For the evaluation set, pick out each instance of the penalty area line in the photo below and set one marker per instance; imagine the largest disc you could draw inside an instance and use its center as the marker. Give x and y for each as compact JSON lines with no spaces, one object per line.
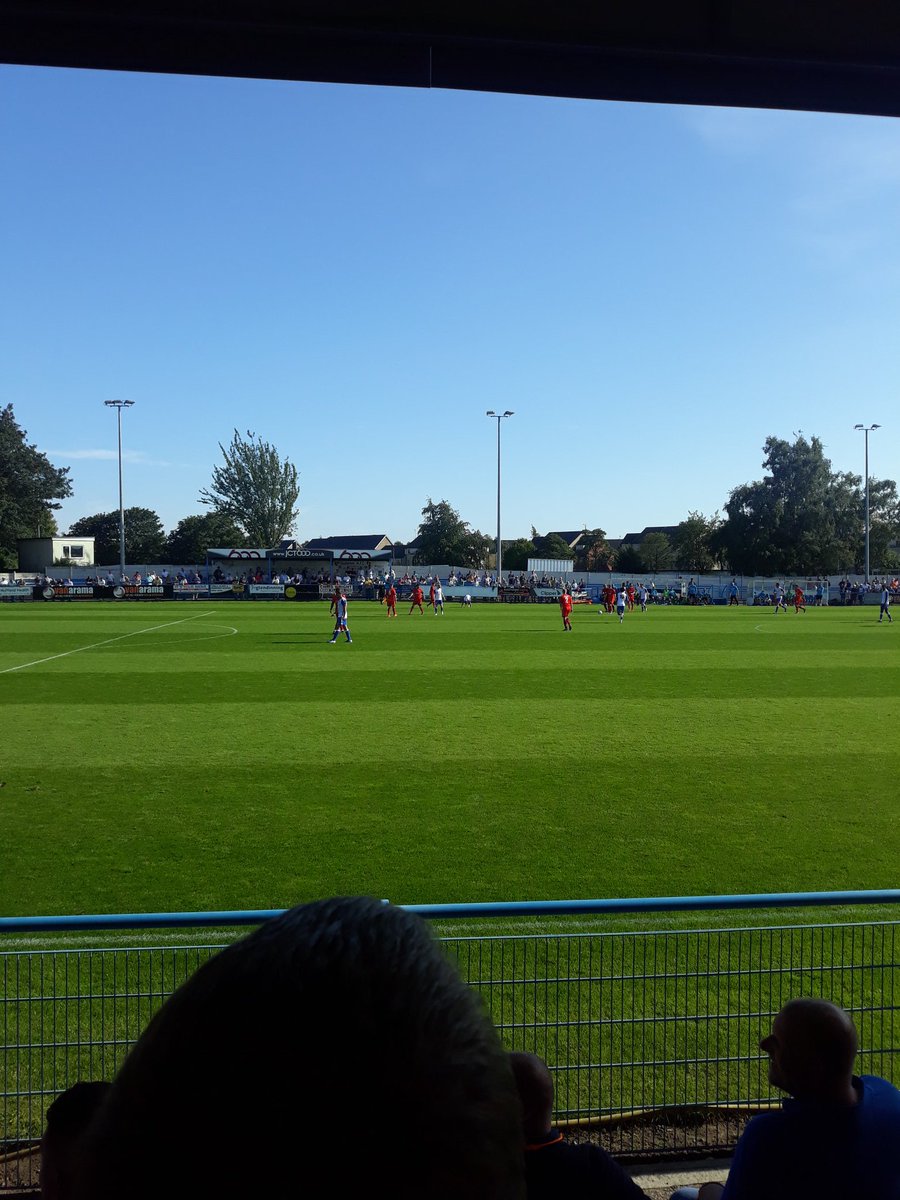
{"x":108,"y":641}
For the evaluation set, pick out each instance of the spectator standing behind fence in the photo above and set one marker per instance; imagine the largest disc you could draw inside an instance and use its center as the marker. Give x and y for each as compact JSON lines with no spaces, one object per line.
{"x":333,"y":1052}
{"x":837,"y":1138}
{"x":554,"y":1168}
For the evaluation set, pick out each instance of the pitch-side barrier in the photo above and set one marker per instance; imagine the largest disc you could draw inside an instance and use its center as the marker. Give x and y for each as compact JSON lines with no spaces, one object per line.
{"x":652,"y":1033}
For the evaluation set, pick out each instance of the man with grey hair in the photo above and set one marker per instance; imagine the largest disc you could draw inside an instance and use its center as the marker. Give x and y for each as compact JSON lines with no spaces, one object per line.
{"x":836,"y":1138}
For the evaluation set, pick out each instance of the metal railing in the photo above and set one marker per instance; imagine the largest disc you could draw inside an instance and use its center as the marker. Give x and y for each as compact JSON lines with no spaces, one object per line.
{"x":652,"y":1035}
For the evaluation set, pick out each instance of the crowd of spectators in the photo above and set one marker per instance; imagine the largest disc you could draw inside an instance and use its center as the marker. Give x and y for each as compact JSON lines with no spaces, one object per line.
{"x":350,"y":1005}
{"x":854,"y":593}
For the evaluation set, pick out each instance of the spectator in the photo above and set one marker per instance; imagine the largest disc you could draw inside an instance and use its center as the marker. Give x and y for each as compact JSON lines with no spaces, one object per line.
{"x":838,"y":1138}
{"x":554,"y":1167}
{"x":340,"y":1034}
{"x":67,"y":1120}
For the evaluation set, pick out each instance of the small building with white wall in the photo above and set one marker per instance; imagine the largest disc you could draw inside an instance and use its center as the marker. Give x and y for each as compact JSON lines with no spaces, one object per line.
{"x":39,"y":554}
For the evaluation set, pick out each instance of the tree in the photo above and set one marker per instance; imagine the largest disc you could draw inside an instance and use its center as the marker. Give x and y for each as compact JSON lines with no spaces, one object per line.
{"x":144,"y":536}
{"x":256,"y":489}
{"x":694,"y":550}
{"x":629,"y":559}
{"x":592,"y":552}
{"x":884,"y":526}
{"x":444,"y":537}
{"x":30,"y":487}
{"x":477,"y":548}
{"x":802,"y":518}
{"x":192,"y":536}
{"x":517,"y":553}
{"x":656,"y":551}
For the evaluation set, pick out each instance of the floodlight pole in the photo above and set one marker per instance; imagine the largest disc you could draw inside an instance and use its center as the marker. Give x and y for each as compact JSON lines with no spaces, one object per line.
{"x":866,"y":430}
{"x":498,"y":417}
{"x":118,"y":405}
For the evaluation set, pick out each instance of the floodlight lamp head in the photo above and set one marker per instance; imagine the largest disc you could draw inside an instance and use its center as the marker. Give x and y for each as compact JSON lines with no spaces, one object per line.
{"x":509,"y":413}
{"x":859,"y":426}
{"x":874,"y":426}
{"x":490,"y":413}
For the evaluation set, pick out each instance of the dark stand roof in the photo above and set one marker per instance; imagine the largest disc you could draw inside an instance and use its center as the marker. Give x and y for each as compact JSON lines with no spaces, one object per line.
{"x":833,"y":55}
{"x":364,"y":541}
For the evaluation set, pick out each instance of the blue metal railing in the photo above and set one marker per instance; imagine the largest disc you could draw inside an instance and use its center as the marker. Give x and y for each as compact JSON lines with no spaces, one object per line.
{"x":501,"y":908}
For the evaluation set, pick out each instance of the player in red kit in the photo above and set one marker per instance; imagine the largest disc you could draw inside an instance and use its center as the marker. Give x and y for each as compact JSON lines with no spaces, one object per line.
{"x":417,"y":597}
{"x":565,"y":607}
{"x":799,"y":600}
{"x":390,"y":599}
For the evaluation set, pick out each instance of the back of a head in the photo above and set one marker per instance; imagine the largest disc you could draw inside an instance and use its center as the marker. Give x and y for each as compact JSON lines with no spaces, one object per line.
{"x":68,"y":1118}
{"x":339,"y":1038}
{"x":534,"y":1083}
{"x":821,"y":1044}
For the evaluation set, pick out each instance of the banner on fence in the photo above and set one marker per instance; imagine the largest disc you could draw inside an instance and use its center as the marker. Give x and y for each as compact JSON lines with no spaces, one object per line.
{"x":94,"y":591}
{"x":12,"y":591}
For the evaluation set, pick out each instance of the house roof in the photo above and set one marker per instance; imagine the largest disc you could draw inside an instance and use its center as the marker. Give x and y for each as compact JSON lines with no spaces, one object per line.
{"x":634,"y":539}
{"x":353,"y":541}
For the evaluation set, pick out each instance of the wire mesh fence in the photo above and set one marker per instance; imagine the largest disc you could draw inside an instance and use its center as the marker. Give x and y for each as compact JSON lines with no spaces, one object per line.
{"x":658,"y":1033}
{"x":653,"y":1036}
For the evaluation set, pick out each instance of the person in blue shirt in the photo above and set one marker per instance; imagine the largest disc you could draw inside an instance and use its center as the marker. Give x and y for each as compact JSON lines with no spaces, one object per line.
{"x":836,"y":1138}
{"x":885,"y":604}
{"x":340,"y":616}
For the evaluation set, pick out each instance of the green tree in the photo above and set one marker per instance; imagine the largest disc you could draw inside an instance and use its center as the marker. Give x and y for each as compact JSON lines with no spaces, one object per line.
{"x":628,"y":559}
{"x":144,"y":536}
{"x":884,"y":526}
{"x":694,"y":546}
{"x":444,"y":537}
{"x":477,"y":548}
{"x":656,"y":551}
{"x":802,"y":518}
{"x":30,"y":487}
{"x":517,"y":553}
{"x":256,"y":488}
{"x":592,"y":552}
{"x":192,"y":536}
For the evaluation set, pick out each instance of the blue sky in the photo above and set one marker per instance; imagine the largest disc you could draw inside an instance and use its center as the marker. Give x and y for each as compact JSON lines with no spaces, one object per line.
{"x":357,"y":274}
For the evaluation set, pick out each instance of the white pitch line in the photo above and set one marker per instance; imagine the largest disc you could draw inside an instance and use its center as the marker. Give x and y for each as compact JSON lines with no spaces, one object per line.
{"x":65,"y":654}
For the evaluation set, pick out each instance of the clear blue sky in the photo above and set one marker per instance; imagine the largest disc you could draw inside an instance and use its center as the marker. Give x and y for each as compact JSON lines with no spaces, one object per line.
{"x":357,"y":274}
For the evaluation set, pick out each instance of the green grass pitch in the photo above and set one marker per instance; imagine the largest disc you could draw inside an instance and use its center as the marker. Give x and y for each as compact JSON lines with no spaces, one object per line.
{"x":194,"y":755}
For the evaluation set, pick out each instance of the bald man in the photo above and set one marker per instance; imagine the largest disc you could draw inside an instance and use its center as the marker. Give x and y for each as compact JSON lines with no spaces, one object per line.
{"x":554,"y":1168}
{"x":836,"y":1138}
